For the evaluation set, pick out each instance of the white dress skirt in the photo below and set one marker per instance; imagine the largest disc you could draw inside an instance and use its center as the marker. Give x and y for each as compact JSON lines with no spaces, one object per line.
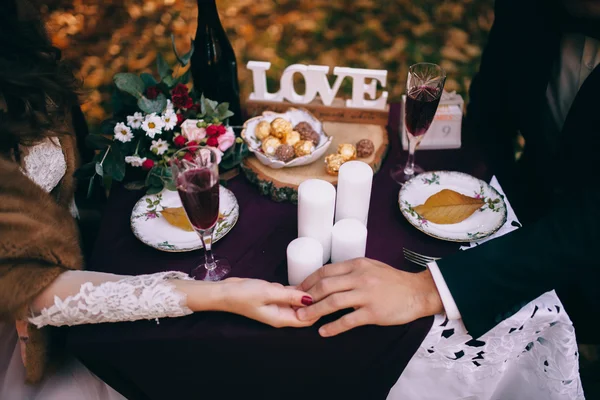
{"x":72,"y":382}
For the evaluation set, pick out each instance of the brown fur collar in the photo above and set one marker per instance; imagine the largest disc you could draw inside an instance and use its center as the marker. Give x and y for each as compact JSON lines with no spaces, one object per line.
{"x":38,"y":241}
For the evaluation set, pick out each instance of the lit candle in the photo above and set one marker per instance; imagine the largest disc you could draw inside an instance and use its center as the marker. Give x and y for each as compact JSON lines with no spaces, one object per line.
{"x":316,"y":205}
{"x":354,"y":191}
{"x":304,"y":256}
{"x":348,"y":240}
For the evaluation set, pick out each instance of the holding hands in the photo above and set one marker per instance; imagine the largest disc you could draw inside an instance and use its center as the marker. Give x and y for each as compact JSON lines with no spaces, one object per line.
{"x":378,"y":293}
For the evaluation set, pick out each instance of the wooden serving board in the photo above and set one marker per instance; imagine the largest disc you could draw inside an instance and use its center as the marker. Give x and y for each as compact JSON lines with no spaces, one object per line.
{"x":282,"y":184}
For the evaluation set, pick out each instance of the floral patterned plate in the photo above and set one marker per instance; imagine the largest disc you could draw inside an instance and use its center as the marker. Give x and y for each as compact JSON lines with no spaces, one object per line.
{"x":483,"y":223}
{"x":152,"y":229}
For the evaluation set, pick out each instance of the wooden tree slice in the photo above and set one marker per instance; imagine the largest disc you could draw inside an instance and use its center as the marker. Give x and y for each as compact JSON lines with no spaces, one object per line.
{"x":282,"y":184}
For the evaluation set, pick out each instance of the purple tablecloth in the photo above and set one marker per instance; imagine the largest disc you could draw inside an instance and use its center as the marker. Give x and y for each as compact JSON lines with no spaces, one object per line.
{"x":224,"y":356}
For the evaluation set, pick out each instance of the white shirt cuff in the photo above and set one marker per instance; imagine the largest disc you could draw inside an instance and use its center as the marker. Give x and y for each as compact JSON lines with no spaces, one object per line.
{"x":447,"y":299}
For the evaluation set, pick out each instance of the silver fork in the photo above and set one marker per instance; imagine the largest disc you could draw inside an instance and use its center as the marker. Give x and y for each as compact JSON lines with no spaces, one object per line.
{"x":417,"y":258}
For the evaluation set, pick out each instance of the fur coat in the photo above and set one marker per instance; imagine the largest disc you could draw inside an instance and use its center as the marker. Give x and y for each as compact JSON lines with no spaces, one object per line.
{"x":39,"y":240}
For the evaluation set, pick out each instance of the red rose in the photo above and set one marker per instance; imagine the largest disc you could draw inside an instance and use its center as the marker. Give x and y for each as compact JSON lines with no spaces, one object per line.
{"x":182,"y":101}
{"x":193,"y":145}
{"x":179,"y":141}
{"x":195,"y":108}
{"x":189,"y":157}
{"x":212,"y":141}
{"x":221,"y":129}
{"x":148,"y":164}
{"x":212,"y":130}
{"x":180,"y":90}
{"x":152,"y":92}
{"x":180,"y":119}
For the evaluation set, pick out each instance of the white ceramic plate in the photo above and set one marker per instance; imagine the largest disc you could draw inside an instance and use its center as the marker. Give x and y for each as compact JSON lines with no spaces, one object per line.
{"x":483,"y":223}
{"x":295,"y":116}
{"x":152,"y":229}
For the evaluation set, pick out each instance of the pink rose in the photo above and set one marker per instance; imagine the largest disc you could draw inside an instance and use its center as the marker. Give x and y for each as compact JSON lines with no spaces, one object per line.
{"x":217,"y":152}
{"x":226,"y":140}
{"x":190,"y":130}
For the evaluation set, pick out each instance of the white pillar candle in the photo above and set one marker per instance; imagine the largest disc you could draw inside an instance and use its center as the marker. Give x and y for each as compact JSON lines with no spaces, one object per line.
{"x":354,"y":191}
{"x":316,"y":205}
{"x":348,"y":240}
{"x":304,"y":256}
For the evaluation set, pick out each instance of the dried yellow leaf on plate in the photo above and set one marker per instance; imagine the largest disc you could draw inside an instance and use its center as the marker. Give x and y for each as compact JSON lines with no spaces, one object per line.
{"x":448,"y":207}
{"x":177,"y":218}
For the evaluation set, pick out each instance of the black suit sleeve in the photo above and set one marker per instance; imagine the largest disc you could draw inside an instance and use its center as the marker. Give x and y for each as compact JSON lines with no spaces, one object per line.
{"x":493,"y":281}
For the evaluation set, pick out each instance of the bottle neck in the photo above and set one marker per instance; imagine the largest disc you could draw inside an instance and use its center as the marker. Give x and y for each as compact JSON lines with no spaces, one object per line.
{"x":207,"y":13}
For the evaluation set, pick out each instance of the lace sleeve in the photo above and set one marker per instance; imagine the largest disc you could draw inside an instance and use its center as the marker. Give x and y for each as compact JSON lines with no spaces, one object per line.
{"x":127,"y":299}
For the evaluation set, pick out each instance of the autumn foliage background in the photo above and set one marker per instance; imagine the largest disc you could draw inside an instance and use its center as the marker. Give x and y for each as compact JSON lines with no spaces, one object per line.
{"x":103,"y":37}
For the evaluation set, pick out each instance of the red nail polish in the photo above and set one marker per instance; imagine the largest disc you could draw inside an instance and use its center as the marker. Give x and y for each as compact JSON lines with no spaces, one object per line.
{"x":307,"y":300}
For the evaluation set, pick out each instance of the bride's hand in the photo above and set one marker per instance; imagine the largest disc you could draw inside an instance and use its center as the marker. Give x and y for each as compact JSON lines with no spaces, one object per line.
{"x":270,"y":303}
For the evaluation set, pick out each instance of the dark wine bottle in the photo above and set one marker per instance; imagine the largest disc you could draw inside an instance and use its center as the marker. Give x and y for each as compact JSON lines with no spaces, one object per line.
{"x":213,"y":64}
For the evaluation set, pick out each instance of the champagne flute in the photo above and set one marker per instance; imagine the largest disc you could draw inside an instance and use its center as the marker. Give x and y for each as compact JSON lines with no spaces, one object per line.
{"x":424,"y":89}
{"x":196,"y":175}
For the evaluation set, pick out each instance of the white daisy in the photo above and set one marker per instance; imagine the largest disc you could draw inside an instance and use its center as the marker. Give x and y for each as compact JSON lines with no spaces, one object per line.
{"x":135,"y":161}
{"x":122,"y":133}
{"x":135,"y":120}
{"x":152,"y":125}
{"x":169,"y":106}
{"x":159,"y":146}
{"x":170,"y":120}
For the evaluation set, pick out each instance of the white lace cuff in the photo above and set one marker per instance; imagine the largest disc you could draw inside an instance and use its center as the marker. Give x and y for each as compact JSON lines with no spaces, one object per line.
{"x":129,"y":299}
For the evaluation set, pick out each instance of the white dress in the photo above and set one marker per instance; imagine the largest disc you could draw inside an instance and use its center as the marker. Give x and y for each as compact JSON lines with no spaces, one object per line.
{"x":95,"y":301}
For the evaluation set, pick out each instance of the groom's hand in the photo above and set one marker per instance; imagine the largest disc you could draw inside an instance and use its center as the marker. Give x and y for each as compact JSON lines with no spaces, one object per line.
{"x":379,"y":294}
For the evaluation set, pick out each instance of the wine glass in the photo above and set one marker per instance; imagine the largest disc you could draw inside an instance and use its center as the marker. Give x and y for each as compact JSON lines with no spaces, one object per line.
{"x":424,"y":89}
{"x":196,"y":175}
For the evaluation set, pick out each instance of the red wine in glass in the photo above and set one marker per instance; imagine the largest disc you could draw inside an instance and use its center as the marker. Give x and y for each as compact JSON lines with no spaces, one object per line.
{"x":421,"y":105}
{"x":424,"y":89}
{"x":197,"y":182}
{"x":199,"y":193}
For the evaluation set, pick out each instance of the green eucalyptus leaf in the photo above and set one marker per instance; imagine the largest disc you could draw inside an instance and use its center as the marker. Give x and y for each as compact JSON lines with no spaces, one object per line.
{"x":130,"y":83}
{"x":157,"y":105}
{"x":163,"y":67}
{"x":86,"y":171}
{"x":154,"y":189}
{"x":148,"y":79}
{"x":90,"y":187}
{"x":169,"y":81}
{"x":184,"y":59}
{"x":202,"y":104}
{"x":185,"y":78}
{"x":99,"y":169}
{"x":226,"y":115}
{"x":114,"y":164}
{"x":222,"y":108}
{"x":97,"y":142}
{"x":170,"y":185}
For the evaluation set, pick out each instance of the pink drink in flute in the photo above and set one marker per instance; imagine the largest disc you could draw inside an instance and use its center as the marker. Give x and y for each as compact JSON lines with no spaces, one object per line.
{"x":197,"y":180}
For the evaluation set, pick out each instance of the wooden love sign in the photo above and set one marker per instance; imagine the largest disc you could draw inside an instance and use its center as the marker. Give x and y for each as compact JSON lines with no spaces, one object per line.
{"x":319,"y":97}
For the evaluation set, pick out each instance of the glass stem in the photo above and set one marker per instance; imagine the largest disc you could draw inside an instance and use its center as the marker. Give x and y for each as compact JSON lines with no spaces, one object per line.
{"x":409,"y":169}
{"x":208,"y":255}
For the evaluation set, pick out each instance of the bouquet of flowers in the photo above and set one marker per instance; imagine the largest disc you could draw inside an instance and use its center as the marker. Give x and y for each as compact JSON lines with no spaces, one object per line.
{"x":154,"y":119}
